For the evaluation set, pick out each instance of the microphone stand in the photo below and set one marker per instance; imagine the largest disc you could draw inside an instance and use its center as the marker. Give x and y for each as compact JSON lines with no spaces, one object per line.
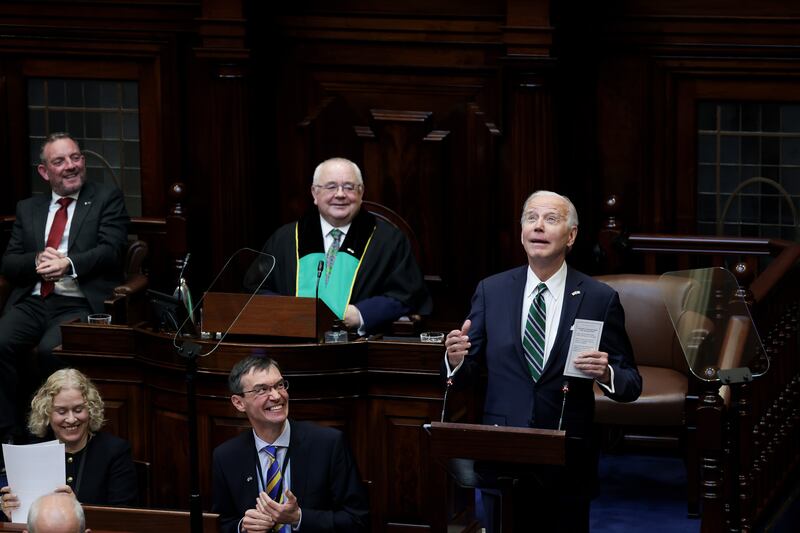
{"x":564,"y":391}
{"x":190,"y":350}
{"x":320,"y":267}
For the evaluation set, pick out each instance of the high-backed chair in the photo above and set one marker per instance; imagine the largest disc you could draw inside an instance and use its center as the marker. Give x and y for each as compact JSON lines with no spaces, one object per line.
{"x":660,"y":414}
{"x":657,"y":353}
{"x":128,"y":303}
{"x":411,"y":324}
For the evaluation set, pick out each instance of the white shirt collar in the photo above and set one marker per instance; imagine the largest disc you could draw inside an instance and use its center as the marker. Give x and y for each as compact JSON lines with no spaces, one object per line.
{"x":327,"y":227}
{"x":555,"y":285}
{"x":56,"y":197}
{"x":282,"y":441}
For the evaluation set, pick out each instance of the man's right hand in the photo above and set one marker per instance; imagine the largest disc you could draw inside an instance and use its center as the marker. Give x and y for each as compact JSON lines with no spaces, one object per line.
{"x":256,"y":521}
{"x":457,"y":344}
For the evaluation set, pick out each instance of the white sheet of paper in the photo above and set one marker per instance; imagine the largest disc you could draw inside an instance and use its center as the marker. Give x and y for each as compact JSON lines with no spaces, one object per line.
{"x":585,"y":337}
{"x":33,"y":470}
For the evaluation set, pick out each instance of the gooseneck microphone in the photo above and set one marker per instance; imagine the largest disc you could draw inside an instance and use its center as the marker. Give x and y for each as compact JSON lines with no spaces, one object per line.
{"x":564,"y":391}
{"x":320,"y":268}
{"x":444,"y":400}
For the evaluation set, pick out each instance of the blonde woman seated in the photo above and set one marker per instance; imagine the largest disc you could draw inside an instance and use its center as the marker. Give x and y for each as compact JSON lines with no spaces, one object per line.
{"x":99,"y":466}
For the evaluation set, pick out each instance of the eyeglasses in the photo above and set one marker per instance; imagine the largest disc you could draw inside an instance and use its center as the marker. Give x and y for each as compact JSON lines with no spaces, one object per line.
{"x":551,"y":219}
{"x":332,"y":187}
{"x":261,"y":390}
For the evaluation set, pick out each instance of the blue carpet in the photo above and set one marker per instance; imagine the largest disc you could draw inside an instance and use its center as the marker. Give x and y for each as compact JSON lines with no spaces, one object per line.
{"x":638,"y":492}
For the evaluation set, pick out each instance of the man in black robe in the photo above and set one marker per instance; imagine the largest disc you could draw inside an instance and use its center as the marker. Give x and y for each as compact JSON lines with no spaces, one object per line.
{"x":362,"y":267}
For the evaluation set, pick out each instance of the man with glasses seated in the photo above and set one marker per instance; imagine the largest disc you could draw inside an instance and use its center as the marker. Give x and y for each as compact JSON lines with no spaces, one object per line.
{"x":369,"y":276}
{"x":284,"y":475}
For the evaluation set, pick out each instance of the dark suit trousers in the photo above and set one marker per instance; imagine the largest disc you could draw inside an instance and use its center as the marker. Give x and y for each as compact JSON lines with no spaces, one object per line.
{"x":32,"y":322}
{"x":538,"y":509}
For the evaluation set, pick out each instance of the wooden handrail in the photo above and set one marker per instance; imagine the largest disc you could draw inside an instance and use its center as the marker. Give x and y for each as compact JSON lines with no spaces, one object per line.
{"x":702,"y":244}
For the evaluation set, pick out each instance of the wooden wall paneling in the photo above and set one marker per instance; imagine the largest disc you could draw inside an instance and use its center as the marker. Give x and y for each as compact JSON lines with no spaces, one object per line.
{"x":623,"y":152}
{"x":221,"y":205}
{"x":171,"y":455}
{"x":398,"y":450}
{"x":120,"y":384}
{"x":324,"y":131}
{"x":14,"y":146}
{"x":530,"y":156}
{"x":472,"y":239}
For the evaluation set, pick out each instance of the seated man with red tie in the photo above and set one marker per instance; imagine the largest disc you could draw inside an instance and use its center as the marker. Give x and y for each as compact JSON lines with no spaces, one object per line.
{"x":362,"y":267}
{"x":283,"y":475}
{"x":63,"y":259}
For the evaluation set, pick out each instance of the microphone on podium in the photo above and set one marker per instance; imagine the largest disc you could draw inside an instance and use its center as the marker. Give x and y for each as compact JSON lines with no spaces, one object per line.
{"x":444,"y":400}
{"x":564,"y":391}
{"x":320,"y":268}
{"x":182,"y":292}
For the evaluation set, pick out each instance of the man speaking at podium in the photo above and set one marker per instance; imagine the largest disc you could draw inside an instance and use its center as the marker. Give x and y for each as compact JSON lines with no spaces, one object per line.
{"x":363,"y":268}
{"x":520,"y":328}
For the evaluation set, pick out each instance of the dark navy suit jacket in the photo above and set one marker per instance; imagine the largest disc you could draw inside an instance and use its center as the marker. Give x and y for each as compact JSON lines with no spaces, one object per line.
{"x":324,"y":478}
{"x":512,"y":399}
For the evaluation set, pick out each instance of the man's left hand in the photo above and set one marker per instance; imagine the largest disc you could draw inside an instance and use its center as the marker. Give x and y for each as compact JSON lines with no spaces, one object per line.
{"x":287,"y":512}
{"x":53,"y":265}
{"x":594,"y":364}
{"x":352,"y":318}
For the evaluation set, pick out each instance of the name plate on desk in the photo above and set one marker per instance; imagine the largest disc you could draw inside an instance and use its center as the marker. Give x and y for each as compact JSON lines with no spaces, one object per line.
{"x":277,"y":316}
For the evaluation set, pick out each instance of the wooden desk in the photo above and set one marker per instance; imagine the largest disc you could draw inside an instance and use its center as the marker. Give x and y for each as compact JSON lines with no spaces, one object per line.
{"x":133,"y":520}
{"x":378,"y":393}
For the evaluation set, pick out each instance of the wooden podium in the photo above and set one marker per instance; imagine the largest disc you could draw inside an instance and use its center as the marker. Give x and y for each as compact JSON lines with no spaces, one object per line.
{"x":497,"y":444}
{"x":275,"y":316}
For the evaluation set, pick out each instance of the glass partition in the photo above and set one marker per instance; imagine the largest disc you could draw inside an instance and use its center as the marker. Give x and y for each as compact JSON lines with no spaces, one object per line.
{"x":233,"y":288}
{"x":713,"y":324}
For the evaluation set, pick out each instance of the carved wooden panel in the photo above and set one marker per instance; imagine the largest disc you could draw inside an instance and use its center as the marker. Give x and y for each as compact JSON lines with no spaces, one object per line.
{"x":171,"y":454}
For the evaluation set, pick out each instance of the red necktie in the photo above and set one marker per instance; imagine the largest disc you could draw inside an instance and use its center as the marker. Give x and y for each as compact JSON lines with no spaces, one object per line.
{"x":54,"y":238}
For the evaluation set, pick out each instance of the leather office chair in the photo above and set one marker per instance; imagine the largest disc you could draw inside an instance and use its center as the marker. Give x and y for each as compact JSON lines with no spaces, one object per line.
{"x":660,"y":413}
{"x":128,"y":303}
{"x":657,"y":353}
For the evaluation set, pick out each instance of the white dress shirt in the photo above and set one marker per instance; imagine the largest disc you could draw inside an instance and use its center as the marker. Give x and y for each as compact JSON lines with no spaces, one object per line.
{"x":68,"y":285}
